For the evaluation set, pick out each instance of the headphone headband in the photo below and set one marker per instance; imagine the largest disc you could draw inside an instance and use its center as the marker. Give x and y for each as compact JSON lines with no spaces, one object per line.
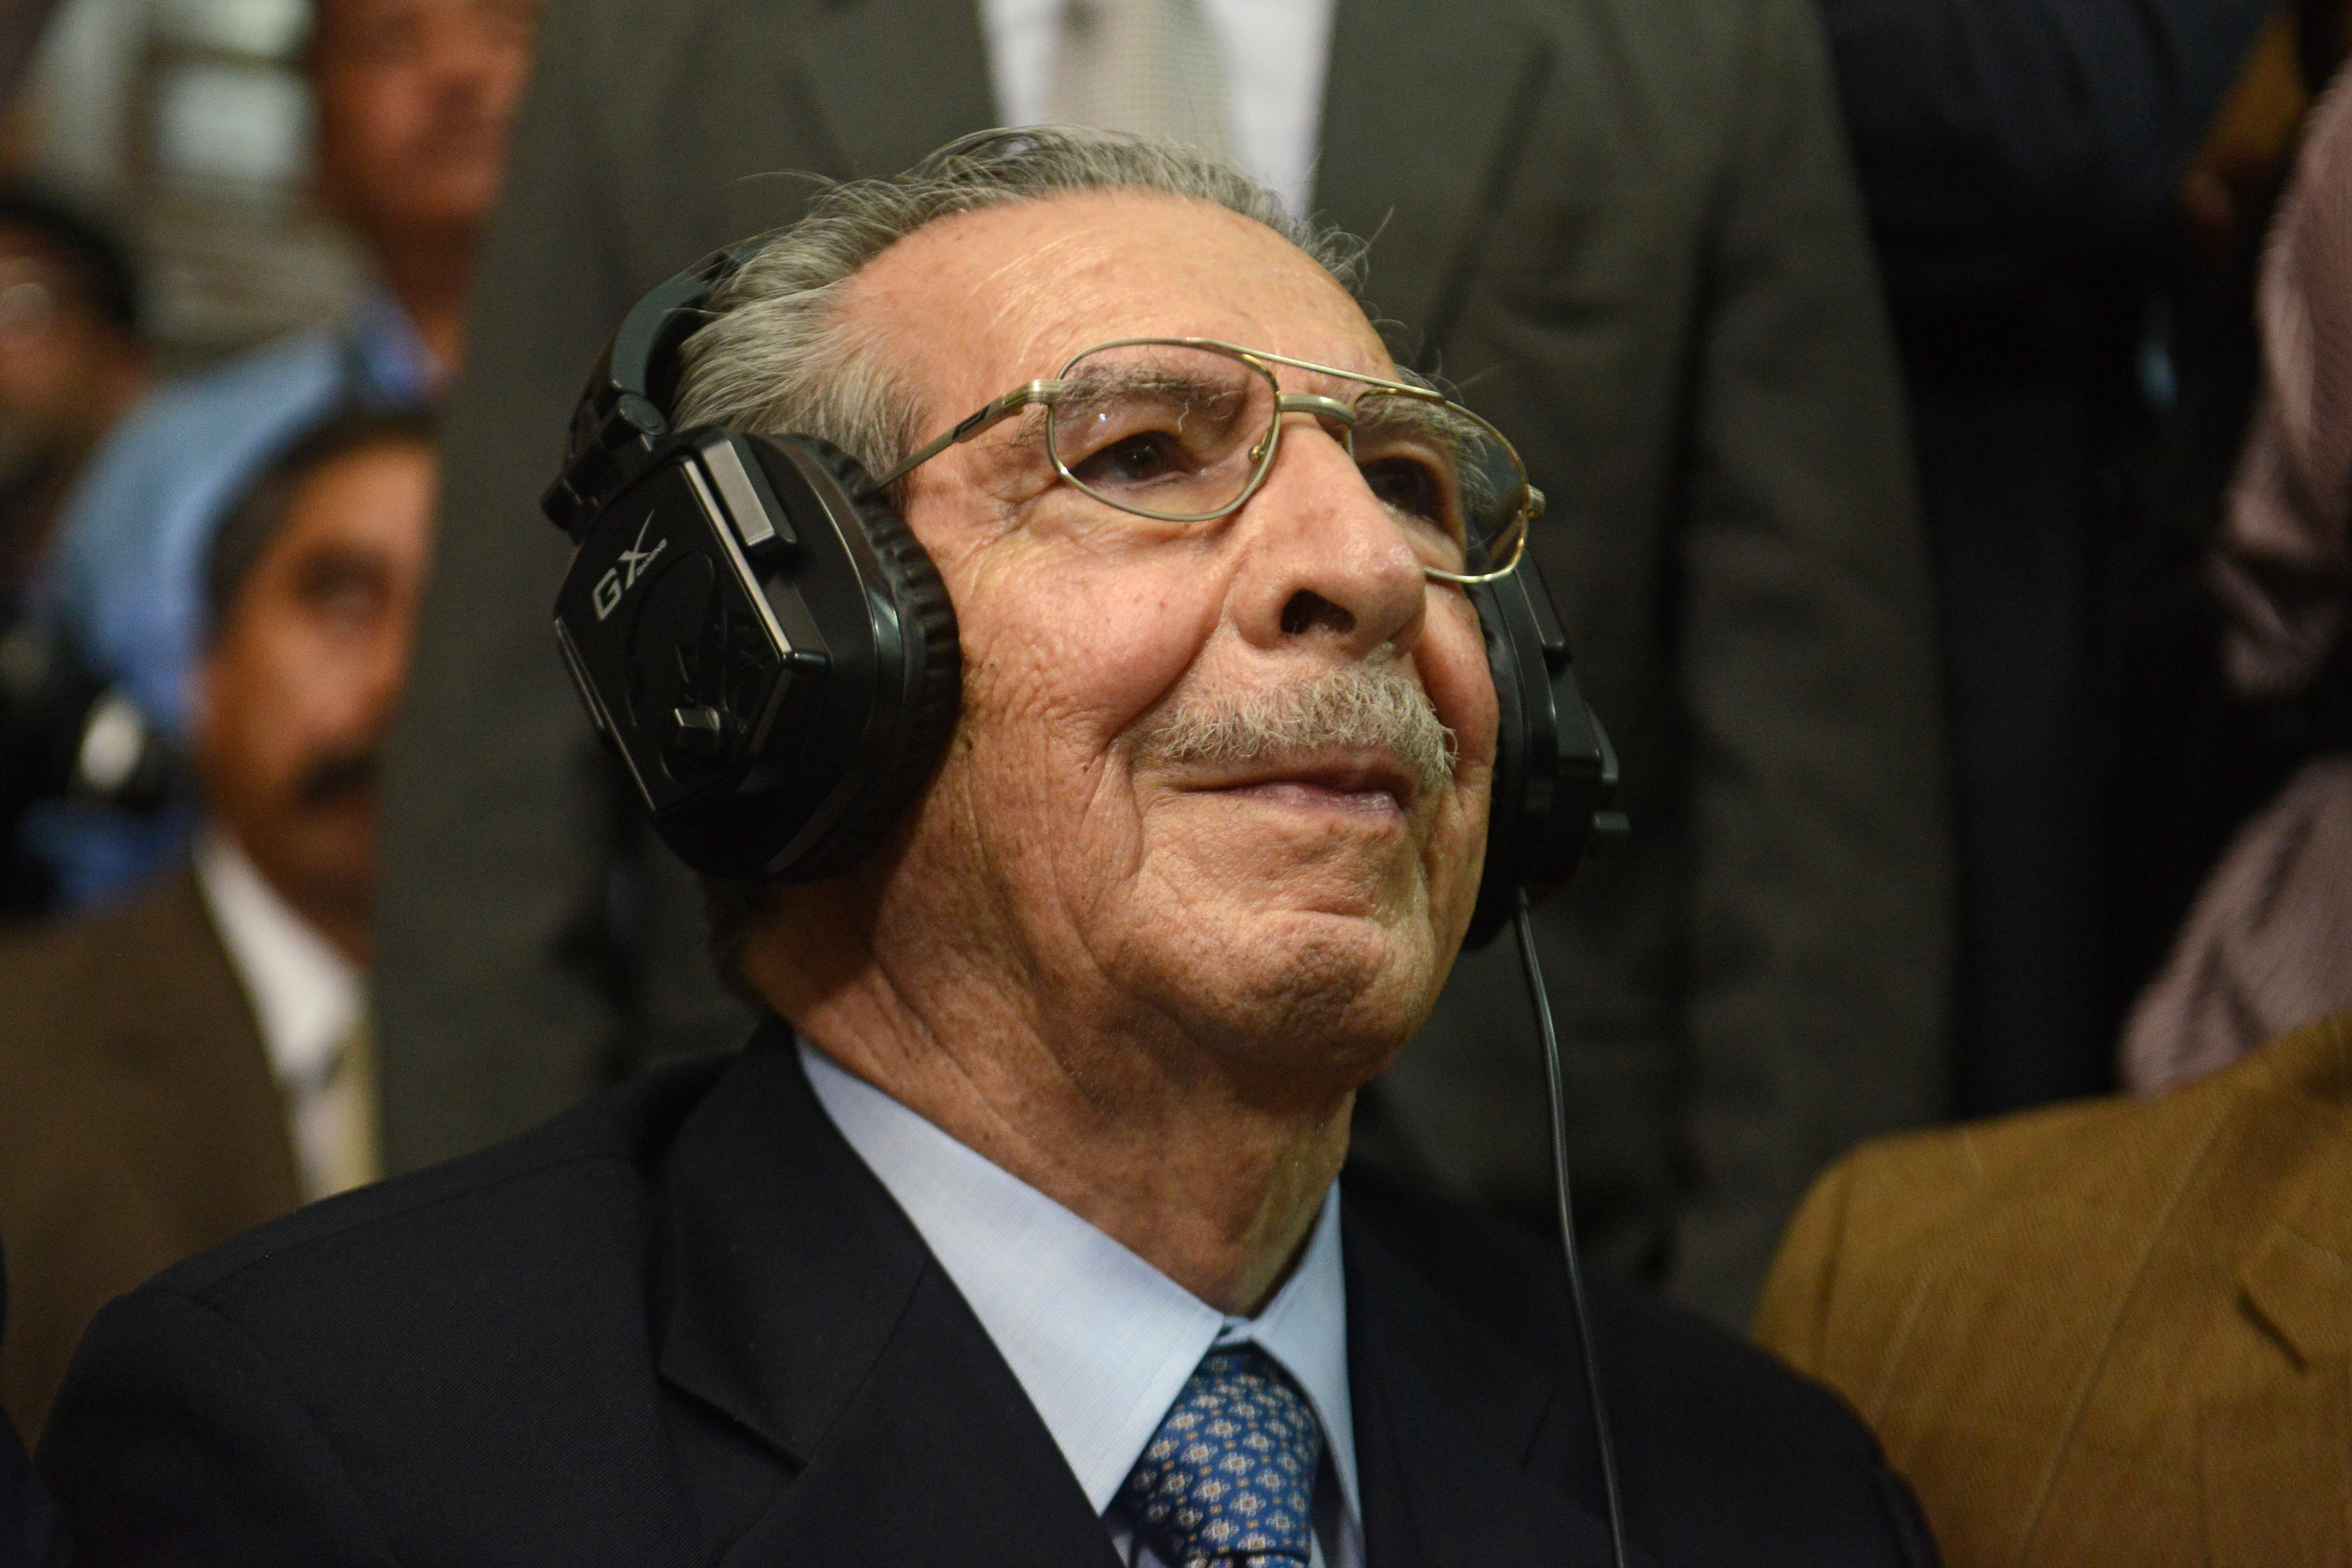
{"x":620,"y":427}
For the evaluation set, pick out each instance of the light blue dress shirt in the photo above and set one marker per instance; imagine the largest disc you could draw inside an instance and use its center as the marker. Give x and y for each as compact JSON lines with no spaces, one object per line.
{"x":1100,"y":1341}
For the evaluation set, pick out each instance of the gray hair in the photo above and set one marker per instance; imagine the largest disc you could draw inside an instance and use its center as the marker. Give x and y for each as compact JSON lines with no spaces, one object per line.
{"x":776,"y":358}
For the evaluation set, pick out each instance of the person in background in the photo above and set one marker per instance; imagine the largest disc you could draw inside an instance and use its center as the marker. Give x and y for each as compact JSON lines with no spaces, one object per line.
{"x":2020,"y":160}
{"x":415,"y":98}
{"x":72,"y":362}
{"x":2267,"y":948}
{"x":2116,"y":1332}
{"x":2199,"y":758}
{"x":178,"y":1069}
{"x":2121,"y":1332}
{"x":1627,"y":229}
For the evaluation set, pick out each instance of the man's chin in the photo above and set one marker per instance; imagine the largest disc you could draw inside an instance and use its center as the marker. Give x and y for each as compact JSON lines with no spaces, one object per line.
{"x":1280,"y":864}
{"x":1333,"y":994}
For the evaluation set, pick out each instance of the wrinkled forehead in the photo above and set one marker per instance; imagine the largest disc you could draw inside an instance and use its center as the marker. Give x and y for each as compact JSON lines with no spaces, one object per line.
{"x":973,"y":305}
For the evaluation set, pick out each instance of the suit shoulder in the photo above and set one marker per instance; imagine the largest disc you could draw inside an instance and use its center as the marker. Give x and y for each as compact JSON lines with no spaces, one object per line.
{"x":69,"y":982}
{"x":1735,"y":1456}
{"x":1895,"y":1192}
{"x":1516,"y":1284}
{"x":514,"y":1194}
{"x":34,"y":959}
{"x":1513,"y":1282}
{"x":76,"y":942}
{"x":1965,"y":1205}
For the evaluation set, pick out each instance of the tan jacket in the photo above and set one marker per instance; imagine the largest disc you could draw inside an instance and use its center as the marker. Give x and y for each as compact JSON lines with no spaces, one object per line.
{"x":139,"y":1122}
{"x":2114,"y":1332}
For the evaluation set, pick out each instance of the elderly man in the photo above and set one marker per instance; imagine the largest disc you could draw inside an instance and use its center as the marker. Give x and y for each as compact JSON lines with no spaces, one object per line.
{"x":1628,"y":230}
{"x":1035,"y":1225}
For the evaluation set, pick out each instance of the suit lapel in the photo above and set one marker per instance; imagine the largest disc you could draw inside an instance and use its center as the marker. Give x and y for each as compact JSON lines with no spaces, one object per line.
{"x":804,"y":1306}
{"x":894,"y":80}
{"x":1449,"y":1423}
{"x":1433,"y":101}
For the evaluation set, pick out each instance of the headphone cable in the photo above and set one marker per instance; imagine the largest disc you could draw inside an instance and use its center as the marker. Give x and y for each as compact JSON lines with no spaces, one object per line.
{"x":1533,"y":968}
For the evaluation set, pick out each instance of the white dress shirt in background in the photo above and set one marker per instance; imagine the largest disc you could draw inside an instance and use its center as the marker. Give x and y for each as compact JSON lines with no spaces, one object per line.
{"x":1101,"y":1341}
{"x":1276,"y":54}
{"x":309,"y":1003}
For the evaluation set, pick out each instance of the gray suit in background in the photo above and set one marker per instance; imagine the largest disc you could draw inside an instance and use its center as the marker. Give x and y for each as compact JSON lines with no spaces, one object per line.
{"x":1627,"y":231}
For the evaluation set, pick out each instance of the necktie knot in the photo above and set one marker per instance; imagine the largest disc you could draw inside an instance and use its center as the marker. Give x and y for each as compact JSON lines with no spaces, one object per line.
{"x":1228,"y":1482}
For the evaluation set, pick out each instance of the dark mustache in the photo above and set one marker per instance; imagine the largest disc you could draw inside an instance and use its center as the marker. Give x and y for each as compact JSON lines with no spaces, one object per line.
{"x":338,"y":776}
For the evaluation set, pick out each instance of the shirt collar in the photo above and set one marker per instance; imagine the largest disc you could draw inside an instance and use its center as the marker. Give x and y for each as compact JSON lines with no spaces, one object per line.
{"x":305,"y":995}
{"x":1100,"y":1341}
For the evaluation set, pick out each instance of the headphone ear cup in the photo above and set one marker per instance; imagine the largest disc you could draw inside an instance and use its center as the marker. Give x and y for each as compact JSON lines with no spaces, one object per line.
{"x":926,"y":678}
{"x":1517,"y":733}
{"x":1555,"y":773}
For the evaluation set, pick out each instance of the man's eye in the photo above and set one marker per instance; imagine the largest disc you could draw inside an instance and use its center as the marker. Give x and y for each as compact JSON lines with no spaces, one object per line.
{"x":1135,"y":459}
{"x":1412,"y":490}
{"x":342,"y":594}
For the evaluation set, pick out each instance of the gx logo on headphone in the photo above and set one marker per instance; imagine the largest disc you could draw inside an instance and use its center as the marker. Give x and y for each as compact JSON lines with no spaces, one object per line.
{"x":611,"y":585}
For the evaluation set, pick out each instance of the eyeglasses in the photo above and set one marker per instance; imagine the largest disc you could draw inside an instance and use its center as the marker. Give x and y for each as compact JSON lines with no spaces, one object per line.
{"x":1185,"y":430}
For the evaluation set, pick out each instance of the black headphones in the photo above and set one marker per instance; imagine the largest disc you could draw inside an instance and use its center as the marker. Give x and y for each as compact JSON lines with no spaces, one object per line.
{"x":757,"y":633}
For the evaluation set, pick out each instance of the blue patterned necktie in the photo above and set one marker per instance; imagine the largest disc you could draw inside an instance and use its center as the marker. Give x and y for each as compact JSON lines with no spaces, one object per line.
{"x":1229,"y":1478}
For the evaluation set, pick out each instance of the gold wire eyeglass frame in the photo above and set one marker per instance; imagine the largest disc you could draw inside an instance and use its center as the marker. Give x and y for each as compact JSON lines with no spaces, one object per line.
{"x":1508,"y":546}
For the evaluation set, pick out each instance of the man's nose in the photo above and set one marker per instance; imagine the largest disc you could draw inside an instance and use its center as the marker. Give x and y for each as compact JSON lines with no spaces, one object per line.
{"x":1326,"y":563}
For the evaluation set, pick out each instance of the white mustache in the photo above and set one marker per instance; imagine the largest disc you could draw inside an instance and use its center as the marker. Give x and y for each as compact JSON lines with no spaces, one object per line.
{"x":1356,"y":707}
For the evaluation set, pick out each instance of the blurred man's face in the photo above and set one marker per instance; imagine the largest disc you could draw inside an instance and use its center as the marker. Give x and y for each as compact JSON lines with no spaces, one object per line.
{"x":415,"y":98}
{"x":65,"y":368}
{"x":300,"y":685}
{"x":1293,"y":912}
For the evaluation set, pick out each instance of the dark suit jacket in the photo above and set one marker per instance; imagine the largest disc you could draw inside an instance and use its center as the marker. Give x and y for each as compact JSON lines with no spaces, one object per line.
{"x":2008,"y":142}
{"x":686,"y":1324}
{"x":2019,"y":159}
{"x":139,"y":1122}
{"x":2114,"y":1332}
{"x":1626,"y":227}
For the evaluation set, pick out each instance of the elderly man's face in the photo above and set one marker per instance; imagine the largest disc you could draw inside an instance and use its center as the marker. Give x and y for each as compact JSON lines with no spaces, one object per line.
{"x":1296,"y":912}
